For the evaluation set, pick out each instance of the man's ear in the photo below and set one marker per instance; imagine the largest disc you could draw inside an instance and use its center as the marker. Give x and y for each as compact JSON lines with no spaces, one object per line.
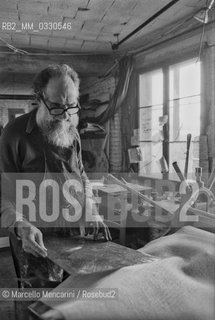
{"x":34,"y":104}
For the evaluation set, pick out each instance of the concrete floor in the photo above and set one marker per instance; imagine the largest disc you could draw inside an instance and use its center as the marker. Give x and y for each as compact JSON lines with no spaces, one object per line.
{"x":7,"y":271}
{"x":7,"y":280}
{"x":10,"y":310}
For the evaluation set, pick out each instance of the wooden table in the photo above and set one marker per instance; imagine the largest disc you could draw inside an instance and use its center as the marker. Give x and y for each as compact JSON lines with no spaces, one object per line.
{"x":113,"y":196}
{"x":85,"y":261}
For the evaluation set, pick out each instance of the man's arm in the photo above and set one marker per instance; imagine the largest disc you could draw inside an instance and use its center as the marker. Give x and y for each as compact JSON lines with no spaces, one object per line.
{"x":10,"y":167}
{"x":93,"y":220}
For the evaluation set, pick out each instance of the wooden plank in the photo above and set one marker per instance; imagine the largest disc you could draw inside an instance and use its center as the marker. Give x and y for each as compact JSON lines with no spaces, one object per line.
{"x":168,"y":206}
{"x":88,"y":45}
{"x":34,"y":7}
{"x":91,"y":36}
{"x":112,"y":189}
{"x":20,"y":39}
{"x":166,"y":112}
{"x":39,"y":41}
{"x":74,"y":44}
{"x":92,"y":26}
{"x":100,"y":6}
{"x":16,"y":97}
{"x":56,"y":42}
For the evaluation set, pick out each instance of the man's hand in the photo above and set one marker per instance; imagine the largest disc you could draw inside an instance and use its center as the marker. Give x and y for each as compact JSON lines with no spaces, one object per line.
{"x":94,"y":223}
{"x":32,"y":238}
{"x":96,"y":227}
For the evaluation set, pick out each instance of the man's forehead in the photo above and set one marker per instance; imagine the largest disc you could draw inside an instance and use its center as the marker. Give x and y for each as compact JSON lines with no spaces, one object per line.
{"x":59,"y":86}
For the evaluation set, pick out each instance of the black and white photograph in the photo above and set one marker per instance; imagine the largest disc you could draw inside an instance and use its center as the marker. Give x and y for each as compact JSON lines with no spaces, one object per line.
{"x":107,"y":159}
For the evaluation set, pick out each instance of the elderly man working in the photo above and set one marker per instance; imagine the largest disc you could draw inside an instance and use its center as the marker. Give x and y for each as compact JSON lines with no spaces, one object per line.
{"x":46,"y":142}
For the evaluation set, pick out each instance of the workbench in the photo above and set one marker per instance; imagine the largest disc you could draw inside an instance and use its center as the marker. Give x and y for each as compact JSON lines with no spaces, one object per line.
{"x":116,"y":198}
{"x":173,"y":275}
{"x":85,"y":261}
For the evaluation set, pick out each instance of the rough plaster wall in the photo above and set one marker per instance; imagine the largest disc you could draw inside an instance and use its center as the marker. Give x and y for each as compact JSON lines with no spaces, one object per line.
{"x":7,"y":104}
{"x":14,"y":84}
{"x":104,"y":90}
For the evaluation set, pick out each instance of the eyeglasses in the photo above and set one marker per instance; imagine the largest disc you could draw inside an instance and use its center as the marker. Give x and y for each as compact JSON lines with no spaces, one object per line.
{"x":57,"y":109}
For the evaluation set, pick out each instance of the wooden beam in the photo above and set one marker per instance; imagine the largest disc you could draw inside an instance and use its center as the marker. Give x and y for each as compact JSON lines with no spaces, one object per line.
{"x":16,"y":97}
{"x":166,"y":112}
{"x":83,"y":64}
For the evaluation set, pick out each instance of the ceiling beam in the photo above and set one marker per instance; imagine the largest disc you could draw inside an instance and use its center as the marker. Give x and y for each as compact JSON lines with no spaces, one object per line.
{"x":32,"y":64}
{"x":152,"y":18}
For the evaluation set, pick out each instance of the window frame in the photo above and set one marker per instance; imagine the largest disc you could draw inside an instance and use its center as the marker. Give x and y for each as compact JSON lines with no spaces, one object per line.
{"x":165,"y":67}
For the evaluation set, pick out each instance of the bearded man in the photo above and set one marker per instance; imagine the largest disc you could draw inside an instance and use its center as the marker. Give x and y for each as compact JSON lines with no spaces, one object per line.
{"x":46,"y":142}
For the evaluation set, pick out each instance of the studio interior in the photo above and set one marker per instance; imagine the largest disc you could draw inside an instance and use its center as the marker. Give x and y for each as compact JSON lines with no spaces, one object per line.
{"x":107,"y":159}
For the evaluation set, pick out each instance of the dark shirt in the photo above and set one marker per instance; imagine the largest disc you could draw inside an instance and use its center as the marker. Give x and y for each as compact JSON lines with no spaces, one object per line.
{"x":22,"y":147}
{"x":24,"y":150}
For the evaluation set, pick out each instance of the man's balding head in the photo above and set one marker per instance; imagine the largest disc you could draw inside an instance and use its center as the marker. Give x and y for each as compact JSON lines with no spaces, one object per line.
{"x":54,"y":71}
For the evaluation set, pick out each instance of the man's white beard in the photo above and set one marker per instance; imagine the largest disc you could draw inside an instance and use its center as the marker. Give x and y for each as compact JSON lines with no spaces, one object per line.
{"x":60,"y":133}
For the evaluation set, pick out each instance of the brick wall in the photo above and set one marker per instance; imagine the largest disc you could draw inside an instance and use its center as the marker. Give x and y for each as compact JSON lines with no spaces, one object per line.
{"x":97,"y":88}
{"x":115,"y":143}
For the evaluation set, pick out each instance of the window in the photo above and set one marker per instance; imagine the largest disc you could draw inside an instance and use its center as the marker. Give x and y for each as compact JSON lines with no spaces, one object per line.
{"x":180,"y":107}
{"x":150,"y":109}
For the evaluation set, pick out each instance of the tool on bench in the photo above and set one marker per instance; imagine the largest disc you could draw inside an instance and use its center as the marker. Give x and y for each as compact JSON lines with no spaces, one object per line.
{"x":143,"y":197}
{"x":180,"y":174}
{"x":187,"y":154}
{"x":211,"y":180}
{"x":195,"y":211}
{"x":194,"y":196}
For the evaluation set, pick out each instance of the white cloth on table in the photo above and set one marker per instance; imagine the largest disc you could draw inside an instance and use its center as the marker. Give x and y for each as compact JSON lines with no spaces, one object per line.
{"x":179,"y":285}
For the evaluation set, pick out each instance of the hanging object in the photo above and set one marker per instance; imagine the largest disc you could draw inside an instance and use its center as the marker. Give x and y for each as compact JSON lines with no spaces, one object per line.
{"x":14,"y":49}
{"x":163,"y":165}
{"x":202,"y":15}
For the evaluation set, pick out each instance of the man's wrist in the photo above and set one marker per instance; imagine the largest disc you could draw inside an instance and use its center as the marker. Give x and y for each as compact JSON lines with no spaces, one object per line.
{"x":17,"y":227}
